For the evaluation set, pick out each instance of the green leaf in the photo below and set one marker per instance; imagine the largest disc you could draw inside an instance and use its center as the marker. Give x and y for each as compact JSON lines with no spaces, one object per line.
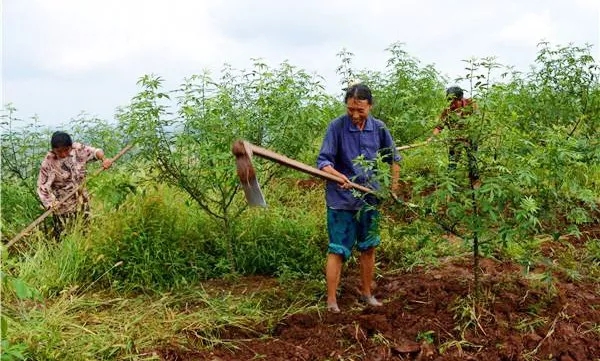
{"x":3,"y":327}
{"x":22,"y":290}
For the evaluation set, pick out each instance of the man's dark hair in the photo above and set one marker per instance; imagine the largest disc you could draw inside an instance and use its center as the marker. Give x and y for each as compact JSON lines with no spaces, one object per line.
{"x":360,"y":92}
{"x":60,"y":140}
{"x":454,"y":92}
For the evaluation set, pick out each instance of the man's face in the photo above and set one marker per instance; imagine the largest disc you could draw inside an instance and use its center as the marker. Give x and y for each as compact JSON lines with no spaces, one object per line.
{"x":358,"y":110}
{"x":455,"y":102}
{"x":62,"y":152}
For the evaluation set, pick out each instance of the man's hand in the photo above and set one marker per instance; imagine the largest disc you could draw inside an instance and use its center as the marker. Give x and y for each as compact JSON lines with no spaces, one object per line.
{"x":436,"y":131}
{"x":329,"y":169}
{"x":53,"y":205}
{"x":106,"y":163}
{"x":346,"y":184}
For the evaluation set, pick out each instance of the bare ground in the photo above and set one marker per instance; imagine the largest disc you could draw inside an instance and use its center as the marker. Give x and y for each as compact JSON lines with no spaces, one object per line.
{"x":430,"y":315}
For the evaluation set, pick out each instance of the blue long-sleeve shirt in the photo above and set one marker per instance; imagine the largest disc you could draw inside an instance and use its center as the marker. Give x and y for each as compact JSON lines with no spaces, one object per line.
{"x":343,"y":143}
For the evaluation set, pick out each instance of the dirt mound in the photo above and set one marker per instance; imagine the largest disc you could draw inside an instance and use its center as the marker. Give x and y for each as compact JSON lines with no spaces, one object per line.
{"x":429,"y":315}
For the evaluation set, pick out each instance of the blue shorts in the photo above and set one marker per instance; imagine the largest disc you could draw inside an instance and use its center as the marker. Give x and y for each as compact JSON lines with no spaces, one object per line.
{"x":349,"y":228}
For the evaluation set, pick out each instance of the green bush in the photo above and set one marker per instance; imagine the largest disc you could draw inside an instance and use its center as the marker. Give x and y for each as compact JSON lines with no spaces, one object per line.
{"x":290,"y":237}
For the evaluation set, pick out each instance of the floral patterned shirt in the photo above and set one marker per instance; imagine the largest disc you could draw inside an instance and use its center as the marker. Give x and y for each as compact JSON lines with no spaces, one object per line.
{"x":59,"y":177}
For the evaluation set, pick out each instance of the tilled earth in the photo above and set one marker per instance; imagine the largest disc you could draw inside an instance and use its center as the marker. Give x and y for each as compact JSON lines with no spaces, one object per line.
{"x":429,"y":315}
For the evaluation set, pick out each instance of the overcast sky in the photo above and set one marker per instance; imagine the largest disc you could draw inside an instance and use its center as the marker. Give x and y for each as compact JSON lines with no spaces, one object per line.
{"x":62,"y":57}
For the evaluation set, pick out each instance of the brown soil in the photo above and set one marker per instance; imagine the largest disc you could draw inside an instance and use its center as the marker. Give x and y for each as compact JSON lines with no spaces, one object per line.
{"x":427,"y":315}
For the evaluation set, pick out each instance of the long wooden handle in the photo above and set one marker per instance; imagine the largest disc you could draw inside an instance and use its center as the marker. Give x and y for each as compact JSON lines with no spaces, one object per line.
{"x":412,"y":145}
{"x":49,"y":210}
{"x":116,"y":157}
{"x":283,"y":160}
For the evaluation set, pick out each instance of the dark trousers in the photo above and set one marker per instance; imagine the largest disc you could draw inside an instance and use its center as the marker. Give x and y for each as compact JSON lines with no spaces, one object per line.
{"x":60,"y":223}
{"x":455,"y":151}
{"x":63,"y":221}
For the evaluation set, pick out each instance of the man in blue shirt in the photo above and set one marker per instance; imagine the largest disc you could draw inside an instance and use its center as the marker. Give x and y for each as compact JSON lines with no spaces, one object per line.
{"x":354,"y":220}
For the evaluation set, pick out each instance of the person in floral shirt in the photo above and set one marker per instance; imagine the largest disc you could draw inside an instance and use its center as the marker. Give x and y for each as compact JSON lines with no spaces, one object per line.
{"x":62,"y":171}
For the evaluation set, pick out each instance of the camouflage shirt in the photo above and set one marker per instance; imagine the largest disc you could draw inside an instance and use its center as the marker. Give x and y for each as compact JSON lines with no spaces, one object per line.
{"x":452,"y":117}
{"x":59,"y":177}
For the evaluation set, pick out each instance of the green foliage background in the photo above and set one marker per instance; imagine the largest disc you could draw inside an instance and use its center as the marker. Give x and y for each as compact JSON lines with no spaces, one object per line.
{"x":170,"y":214}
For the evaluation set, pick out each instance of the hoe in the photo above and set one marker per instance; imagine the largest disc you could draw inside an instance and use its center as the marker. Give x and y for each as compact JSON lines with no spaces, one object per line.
{"x":244,"y":151}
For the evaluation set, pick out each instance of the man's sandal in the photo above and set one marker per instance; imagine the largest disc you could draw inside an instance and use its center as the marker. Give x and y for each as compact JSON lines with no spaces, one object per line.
{"x":370,"y":300}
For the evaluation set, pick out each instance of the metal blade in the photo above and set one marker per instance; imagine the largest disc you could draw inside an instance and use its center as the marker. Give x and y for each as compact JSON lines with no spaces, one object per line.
{"x":253,"y":193}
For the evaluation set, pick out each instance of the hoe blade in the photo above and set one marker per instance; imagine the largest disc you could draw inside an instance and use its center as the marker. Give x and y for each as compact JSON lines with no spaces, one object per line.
{"x":253,"y":193}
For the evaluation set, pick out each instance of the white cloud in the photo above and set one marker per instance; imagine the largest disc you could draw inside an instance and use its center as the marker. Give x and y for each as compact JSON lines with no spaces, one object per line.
{"x":62,"y":56}
{"x":73,"y":36}
{"x":588,"y":4}
{"x":529,"y":29}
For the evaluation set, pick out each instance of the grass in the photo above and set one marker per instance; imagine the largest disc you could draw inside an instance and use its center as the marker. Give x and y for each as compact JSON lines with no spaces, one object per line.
{"x":137,"y":284}
{"x":106,"y":326}
{"x":88,"y":323}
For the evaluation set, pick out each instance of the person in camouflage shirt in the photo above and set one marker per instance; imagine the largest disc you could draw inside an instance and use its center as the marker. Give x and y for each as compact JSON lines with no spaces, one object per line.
{"x":62,"y":171}
{"x":453,"y":118}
